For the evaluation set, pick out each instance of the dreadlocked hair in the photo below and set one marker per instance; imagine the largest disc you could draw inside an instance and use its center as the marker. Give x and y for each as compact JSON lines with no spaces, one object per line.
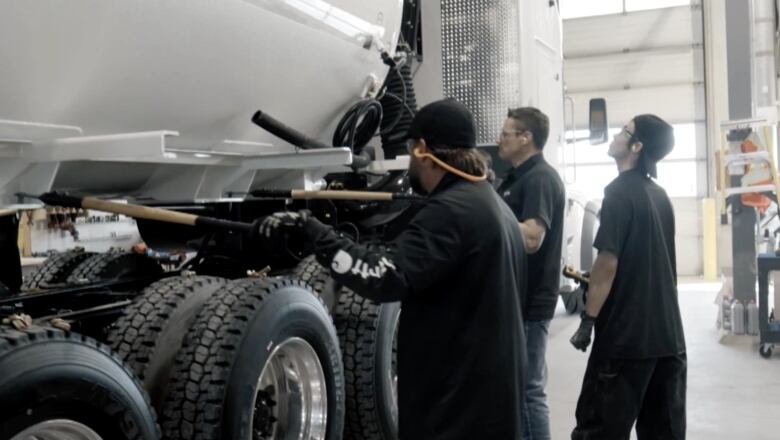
{"x":468,"y":160}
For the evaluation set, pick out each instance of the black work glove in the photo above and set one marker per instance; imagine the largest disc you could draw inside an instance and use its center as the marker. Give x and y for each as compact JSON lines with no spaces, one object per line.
{"x":581,"y":338}
{"x":275,"y":229}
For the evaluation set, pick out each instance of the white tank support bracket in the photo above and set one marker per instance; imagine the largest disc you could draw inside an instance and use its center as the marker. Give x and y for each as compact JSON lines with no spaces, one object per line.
{"x":30,"y":132}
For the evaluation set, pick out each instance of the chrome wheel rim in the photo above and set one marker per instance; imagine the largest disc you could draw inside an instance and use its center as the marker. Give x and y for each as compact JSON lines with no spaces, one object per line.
{"x":291,"y":395}
{"x":394,"y":368}
{"x":60,"y":429}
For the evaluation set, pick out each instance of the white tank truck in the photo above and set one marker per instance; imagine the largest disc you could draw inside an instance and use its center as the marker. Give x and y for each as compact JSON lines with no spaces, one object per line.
{"x":161,"y":104}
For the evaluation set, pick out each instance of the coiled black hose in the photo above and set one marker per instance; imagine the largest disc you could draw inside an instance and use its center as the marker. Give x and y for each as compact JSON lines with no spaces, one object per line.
{"x":393,"y":113}
{"x":358,"y":125}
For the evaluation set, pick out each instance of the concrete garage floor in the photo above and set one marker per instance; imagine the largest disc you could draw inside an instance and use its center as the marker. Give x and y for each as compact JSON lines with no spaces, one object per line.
{"x":733,"y":393}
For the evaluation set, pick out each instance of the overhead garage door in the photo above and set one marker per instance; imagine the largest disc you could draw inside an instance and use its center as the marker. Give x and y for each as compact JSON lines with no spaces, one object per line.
{"x":649,"y":60}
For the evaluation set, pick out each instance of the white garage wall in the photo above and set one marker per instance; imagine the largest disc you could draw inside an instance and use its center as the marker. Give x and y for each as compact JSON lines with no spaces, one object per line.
{"x":688,"y":238}
{"x":646,"y":61}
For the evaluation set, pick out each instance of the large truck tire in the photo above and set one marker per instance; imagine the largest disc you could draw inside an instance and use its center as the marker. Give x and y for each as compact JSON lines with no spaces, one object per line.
{"x":151,"y":331}
{"x":262,"y":361}
{"x":54,"y":383}
{"x":54,"y":270}
{"x":113,"y":266}
{"x":367,"y":335}
{"x":312,"y":273}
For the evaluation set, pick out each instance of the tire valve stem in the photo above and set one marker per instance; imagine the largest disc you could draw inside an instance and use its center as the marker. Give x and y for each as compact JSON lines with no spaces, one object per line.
{"x":262,"y":273}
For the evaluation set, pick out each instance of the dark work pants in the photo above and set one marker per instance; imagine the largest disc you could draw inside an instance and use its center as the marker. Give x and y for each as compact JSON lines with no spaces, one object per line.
{"x":618,"y":392}
{"x":10,"y":264}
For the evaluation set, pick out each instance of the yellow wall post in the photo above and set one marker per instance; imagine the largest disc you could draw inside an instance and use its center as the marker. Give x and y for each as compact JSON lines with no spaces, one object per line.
{"x":709,"y":240}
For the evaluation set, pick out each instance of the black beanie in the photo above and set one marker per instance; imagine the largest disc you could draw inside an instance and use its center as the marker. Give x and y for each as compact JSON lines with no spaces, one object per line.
{"x":444,"y":123}
{"x":657,"y":138}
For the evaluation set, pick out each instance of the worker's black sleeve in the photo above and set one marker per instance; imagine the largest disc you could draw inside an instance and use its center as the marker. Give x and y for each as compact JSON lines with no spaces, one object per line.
{"x":615,"y":221}
{"x":427,"y":251}
{"x":539,"y":200}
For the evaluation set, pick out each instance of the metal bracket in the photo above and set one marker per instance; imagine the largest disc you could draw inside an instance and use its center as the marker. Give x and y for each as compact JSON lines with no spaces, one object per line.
{"x":303,"y":159}
{"x":29,"y":132}
{"x":127,"y":147}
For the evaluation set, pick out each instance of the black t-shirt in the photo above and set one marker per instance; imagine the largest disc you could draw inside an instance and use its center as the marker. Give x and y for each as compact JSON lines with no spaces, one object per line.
{"x":641,"y":317}
{"x":459,"y":271}
{"x":535,"y":190}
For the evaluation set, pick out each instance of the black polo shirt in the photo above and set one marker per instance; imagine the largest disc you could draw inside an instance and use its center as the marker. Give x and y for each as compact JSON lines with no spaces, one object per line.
{"x":535,"y":190}
{"x":641,"y":317}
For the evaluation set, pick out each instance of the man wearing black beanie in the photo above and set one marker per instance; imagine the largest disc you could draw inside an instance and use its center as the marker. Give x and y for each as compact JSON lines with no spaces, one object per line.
{"x":459,"y":271}
{"x":637,"y":368}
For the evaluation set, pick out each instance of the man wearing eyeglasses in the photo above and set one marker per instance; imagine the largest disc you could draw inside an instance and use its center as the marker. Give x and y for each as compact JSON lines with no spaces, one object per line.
{"x":536,"y":194}
{"x":459,"y":271}
{"x":637,"y":367}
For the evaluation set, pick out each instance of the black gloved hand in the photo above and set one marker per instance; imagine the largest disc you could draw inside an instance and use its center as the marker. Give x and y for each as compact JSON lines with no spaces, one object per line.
{"x":275,"y":228}
{"x":581,"y":338}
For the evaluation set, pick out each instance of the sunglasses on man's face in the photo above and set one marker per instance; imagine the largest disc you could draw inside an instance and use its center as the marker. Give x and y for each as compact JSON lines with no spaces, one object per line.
{"x":627,"y":133}
{"x":506,"y":134}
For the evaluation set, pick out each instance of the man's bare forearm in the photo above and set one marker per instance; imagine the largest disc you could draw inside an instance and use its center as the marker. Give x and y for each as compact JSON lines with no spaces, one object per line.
{"x":533,"y":233}
{"x":601,"y":277}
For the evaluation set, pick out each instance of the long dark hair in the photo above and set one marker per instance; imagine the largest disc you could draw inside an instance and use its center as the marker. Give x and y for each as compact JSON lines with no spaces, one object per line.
{"x":468,"y":160}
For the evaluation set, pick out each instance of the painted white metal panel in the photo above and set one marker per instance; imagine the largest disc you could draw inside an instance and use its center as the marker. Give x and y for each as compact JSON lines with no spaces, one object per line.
{"x":545,"y":89}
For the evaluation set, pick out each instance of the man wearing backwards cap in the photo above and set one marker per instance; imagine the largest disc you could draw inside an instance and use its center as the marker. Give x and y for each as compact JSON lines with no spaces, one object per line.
{"x":637,"y":367}
{"x":458,"y":270}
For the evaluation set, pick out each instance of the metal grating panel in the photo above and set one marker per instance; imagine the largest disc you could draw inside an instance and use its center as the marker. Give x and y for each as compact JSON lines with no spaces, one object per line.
{"x":481,"y":59}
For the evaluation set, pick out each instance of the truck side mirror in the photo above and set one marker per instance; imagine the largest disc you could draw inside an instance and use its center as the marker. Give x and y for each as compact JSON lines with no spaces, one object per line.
{"x":597,"y":121}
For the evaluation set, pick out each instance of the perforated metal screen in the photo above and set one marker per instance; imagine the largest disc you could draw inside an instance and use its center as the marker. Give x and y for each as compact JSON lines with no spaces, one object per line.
{"x":481,"y":59}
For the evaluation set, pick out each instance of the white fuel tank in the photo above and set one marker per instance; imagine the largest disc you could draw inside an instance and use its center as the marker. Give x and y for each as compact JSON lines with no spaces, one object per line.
{"x":198,"y":67}
{"x":121,"y":95}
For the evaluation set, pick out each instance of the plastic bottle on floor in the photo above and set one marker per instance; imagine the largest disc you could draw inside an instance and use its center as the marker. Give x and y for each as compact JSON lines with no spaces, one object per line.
{"x":752,"y":318}
{"x":724,"y":314}
{"x":737,"y":318}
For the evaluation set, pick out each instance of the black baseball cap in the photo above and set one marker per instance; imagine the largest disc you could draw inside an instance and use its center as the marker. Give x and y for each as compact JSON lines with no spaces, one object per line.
{"x":657,"y":138}
{"x":444,"y":123}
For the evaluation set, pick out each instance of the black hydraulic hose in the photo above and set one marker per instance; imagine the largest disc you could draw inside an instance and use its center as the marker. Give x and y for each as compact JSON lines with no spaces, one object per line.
{"x":286,"y":133}
{"x":399,"y":105}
